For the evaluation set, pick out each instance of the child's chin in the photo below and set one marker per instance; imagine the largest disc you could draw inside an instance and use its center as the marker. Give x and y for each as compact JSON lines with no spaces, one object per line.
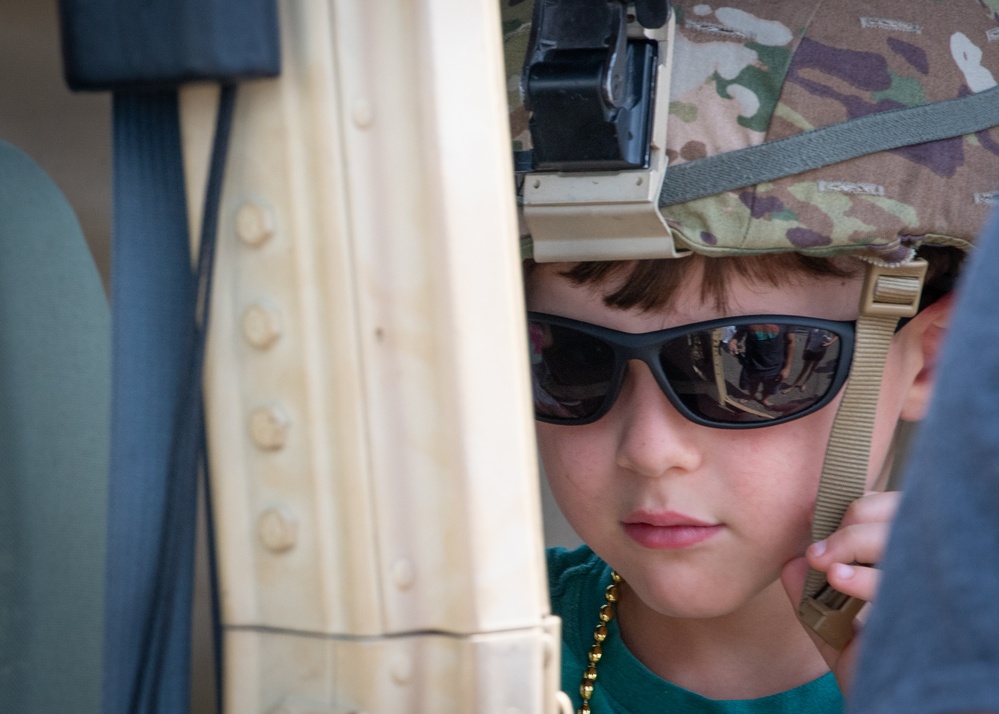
{"x":699,"y":600}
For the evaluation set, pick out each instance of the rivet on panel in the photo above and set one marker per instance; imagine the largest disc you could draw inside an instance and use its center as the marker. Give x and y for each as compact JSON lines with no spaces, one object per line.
{"x":403,"y":573}
{"x":261,"y":325}
{"x":278,"y":529}
{"x":401,"y":667}
{"x":254,"y":224}
{"x":269,"y":428}
{"x":364,"y":113}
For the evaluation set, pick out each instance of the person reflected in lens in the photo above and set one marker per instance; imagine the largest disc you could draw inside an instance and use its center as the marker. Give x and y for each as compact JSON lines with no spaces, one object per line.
{"x":765,"y":352}
{"x":817,"y":343}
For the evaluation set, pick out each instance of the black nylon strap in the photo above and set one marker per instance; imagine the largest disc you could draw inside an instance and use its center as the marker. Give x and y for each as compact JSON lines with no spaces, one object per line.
{"x":830,"y":145}
{"x":160,"y":320}
{"x":121,"y":45}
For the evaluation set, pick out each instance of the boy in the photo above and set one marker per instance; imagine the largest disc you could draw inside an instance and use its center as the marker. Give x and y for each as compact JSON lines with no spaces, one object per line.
{"x":694,"y":496}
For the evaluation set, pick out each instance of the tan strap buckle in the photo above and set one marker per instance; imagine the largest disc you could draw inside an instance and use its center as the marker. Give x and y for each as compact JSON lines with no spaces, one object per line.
{"x":830,"y":614}
{"x":893,"y":291}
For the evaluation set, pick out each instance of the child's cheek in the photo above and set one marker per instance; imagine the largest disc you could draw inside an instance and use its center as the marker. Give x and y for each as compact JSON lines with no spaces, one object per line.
{"x":787,"y":465}
{"x":574,"y":462}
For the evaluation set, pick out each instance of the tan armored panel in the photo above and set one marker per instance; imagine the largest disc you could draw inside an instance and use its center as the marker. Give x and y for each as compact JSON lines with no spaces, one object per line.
{"x":372,"y":455}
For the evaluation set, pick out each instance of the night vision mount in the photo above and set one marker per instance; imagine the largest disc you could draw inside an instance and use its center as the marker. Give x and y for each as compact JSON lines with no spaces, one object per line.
{"x":596,"y":84}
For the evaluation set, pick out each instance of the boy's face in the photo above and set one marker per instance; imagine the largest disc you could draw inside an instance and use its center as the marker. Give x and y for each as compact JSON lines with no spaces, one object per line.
{"x":697,"y":520}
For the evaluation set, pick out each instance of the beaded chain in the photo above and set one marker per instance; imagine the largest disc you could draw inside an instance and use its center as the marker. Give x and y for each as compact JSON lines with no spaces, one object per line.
{"x":611,"y":594}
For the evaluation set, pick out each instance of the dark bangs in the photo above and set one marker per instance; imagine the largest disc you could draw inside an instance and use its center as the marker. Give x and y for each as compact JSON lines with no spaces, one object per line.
{"x":651,"y":284}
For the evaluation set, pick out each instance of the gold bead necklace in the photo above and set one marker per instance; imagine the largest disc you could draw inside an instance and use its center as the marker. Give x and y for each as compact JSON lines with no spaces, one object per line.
{"x":611,"y":594}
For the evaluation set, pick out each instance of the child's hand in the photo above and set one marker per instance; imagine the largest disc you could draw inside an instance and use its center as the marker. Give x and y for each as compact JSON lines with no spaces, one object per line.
{"x":861,"y":538}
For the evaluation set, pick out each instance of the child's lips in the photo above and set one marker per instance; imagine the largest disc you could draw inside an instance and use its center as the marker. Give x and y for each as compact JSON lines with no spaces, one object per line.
{"x":669,"y":531}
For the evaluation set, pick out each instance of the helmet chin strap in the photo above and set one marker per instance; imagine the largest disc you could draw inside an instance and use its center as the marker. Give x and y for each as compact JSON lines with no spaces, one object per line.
{"x":890,"y":293}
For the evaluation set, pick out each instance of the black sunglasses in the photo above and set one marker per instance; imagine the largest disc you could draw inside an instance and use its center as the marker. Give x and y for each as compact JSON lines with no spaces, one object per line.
{"x":730,"y":373}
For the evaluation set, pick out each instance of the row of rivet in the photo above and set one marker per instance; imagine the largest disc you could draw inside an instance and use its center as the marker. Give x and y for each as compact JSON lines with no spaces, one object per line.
{"x":277,"y":527}
{"x":262,"y":328}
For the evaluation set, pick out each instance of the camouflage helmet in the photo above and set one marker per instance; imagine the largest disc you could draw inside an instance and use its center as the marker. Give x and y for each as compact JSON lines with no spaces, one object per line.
{"x":761,"y":71}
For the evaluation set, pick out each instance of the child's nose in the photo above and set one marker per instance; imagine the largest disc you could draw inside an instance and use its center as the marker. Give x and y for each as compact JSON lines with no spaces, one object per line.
{"x":655,"y":439}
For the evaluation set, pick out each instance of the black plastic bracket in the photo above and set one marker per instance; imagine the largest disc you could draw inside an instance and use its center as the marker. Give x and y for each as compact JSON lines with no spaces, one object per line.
{"x":590,"y":89}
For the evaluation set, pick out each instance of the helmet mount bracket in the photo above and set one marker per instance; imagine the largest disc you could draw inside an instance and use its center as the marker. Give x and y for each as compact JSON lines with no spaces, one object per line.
{"x":596,"y":82}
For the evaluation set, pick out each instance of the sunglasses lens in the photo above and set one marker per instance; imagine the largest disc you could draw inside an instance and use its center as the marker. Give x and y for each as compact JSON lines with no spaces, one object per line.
{"x":741,"y":374}
{"x":752,"y":373}
{"x":572,"y":372}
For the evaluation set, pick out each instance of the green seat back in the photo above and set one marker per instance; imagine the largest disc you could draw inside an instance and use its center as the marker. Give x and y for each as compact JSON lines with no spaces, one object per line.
{"x":55,"y":378}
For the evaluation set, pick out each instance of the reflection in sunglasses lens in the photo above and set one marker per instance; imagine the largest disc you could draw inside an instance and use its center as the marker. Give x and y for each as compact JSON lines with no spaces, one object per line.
{"x":751,"y":373}
{"x":571,"y":372}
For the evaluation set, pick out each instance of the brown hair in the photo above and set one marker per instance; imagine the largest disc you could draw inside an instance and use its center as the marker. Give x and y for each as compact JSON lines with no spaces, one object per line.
{"x":651,"y":284}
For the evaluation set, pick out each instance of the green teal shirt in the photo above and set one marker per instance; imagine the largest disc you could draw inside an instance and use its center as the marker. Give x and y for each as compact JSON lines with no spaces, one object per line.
{"x":624,"y":686}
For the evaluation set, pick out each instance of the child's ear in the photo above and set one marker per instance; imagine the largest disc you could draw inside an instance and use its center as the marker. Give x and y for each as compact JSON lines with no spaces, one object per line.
{"x":923,"y":339}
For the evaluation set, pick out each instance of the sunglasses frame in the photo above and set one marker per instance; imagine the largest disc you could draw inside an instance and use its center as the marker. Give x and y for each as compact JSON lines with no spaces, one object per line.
{"x":646,"y":346}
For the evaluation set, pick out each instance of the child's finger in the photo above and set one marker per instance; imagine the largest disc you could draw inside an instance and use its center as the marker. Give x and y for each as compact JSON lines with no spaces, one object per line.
{"x":862,"y":543}
{"x":856,"y":580}
{"x":873,"y":507}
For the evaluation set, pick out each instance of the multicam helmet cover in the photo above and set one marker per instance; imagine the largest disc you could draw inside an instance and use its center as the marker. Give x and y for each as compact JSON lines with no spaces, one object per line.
{"x":754,"y":71}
